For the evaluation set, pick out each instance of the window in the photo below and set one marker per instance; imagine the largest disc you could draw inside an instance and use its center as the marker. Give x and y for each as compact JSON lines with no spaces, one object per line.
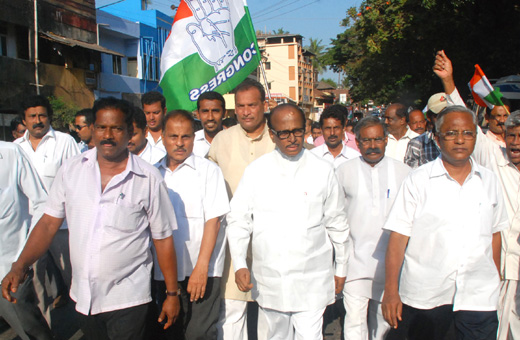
{"x":116,"y":64}
{"x":132,"y":67}
{"x":267,"y":65}
{"x":292,"y":73}
{"x":3,"y":40}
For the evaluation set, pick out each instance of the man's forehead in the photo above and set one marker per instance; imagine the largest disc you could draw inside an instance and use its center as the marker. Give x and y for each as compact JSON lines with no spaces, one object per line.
{"x":249,"y":91}
{"x":37,"y":109}
{"x":207,"y":102}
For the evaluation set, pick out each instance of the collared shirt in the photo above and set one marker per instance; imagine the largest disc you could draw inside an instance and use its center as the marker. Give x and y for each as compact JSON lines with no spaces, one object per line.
{"x":397,"y":148}
{"x":449,"y":256}
{"x":349,"y":140}
{"x":293,"y":210}
{"x":233,"y":150}
{"x":495,"y":158}
{"x":159,"y":144}
{"x":421,"y":150}
{"x":54,"y":148}
{"x":109,"y":231}
{"x":198,"y":194}
{"x":82,"y":146}
{"x":152,"y":154}
{"x":346,"y":153}
{"x":201,"y":144}
{"x":19,"y":184}
{"x":494,"y":138}
{"x":370,"y":192}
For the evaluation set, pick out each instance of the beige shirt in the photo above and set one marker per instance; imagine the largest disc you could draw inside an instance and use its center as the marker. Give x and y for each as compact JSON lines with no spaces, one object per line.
{"x":233,"y":151}
{"x":397,"y":148}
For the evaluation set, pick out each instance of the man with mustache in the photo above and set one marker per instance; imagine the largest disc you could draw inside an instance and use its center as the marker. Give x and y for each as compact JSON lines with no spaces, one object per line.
{"x":443,"y":256}
{"x":370,"y":184}
{"x":290,"y":207}
{"x":211,"y":108}
{"x":84,"y":125}
{"x":154,"y":107}
{"x":332,"y":123}
{"x":48,"y":150}
{"x":496,"y":118}
{"x":138,"y":144}
{"x":200,"y":200}
{"x":399,"y":134}
{"x":416,"y":121}
{"x":115,"y":204}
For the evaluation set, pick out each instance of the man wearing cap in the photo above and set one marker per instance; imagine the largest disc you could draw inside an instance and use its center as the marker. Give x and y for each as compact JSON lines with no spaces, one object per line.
{"x":424,"y":149}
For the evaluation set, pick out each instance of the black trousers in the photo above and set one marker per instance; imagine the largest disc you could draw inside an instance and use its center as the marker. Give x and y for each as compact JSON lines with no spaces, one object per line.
{"x":433,"y":324}
{"x":123,"y":324}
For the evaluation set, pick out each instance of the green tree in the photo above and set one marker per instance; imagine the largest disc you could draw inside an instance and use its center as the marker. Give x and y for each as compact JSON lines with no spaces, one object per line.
{"x":388,"y":47}
{"x":63,"y":113}
{"x":280,"y":31}
{"x":330,"y":82}
{"x":315,"y":46}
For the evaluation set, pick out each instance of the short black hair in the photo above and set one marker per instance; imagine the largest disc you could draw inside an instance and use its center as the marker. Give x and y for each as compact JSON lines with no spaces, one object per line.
{"x":229,"y":122}
{"x":336,"y":111}
{"x":118,"y":104}
{"x":401,"y":111}
{"x":153,"y":97}
{"x":315,"y":125}
{"x":17,"y":120}
{"x":139,"y":118}
{"x":88,"y":114}
{"x":248,"y":84}
{"x":34,"y":101}
{"x":286,"y":105}
{"x":212,"y":95}
{"x":367,"y":122}
{"x":179,"y":113}
{"x":505,"y":101}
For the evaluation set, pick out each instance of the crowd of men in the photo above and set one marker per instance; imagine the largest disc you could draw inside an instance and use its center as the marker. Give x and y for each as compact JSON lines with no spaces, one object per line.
{"x":160,"y":230}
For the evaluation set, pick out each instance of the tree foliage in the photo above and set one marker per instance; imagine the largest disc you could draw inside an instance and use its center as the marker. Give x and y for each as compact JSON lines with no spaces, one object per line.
{"x":280,"y":31}
{"x":388,"y":47}
{"x":315,"y":46}
{"x":330,"y":82}
{"x":63,"y":113}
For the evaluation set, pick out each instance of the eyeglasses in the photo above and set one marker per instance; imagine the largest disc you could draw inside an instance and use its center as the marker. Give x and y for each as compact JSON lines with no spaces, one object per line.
{"x":79,"y":127}
{"x":451,"y":135}
{"x":286,"y":133}
{"x":368,"y":141}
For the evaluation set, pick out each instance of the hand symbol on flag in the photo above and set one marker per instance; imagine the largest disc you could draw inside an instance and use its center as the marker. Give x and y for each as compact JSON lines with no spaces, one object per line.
{"x":213,"y":33}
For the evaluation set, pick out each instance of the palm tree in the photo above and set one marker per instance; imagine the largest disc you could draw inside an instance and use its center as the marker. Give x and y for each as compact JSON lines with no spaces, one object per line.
{"x":316,"y":47}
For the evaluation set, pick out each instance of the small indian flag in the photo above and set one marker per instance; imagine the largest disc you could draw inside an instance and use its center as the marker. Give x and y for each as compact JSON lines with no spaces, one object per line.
{"x":482,"y":90}
{"x":212,"y":47}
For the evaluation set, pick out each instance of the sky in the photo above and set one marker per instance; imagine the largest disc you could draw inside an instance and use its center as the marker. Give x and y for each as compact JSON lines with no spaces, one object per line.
{"x":317,"y":19}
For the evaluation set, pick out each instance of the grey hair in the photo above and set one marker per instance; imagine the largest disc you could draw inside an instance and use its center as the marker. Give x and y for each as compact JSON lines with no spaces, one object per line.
{"x":367,"y":122}
{"x":450,"y":109}
{"x":513,"y":120}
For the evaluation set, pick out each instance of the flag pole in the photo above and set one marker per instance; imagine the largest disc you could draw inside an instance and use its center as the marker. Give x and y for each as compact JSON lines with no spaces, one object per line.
{"x":265,"y":79}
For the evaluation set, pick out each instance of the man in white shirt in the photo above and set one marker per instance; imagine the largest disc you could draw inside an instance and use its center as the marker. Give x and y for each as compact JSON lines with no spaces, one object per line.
{"x":332,"y":122}
{"x":370,"y":184}
{"x":19,"y":186}
{"x":48,"y":150}
{"x":446,"y":223}
{"x":496,"y":117}
{"x":115,"y":204}
{"x":138,"y":144}
{"x":211,"y":108}
{"x":84,"y":125}
{"x":289,"y":205}
{"x":399,"y":133}
{"x":199,"y":197}
{"x":154,"y":107}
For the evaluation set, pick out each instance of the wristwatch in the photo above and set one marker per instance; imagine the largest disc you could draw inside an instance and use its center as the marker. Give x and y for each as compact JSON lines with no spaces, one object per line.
{"x":176,"y":293}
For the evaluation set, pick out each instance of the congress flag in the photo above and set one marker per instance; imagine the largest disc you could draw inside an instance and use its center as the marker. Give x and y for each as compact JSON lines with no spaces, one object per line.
{"x":212,"y":47}
{"x":482,"y":90}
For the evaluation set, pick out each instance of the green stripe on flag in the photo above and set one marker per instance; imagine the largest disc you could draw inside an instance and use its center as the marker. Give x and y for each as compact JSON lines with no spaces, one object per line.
{"x":192,"y":72}
{"x":494,"y":97}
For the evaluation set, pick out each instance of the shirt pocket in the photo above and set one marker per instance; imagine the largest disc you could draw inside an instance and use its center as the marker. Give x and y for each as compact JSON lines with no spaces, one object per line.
{"x":51,"y":168}
{"x":313,"y":211}
{"x":125,"y":217}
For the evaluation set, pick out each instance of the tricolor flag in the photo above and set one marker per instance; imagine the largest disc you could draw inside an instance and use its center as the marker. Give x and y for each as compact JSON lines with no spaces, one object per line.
{"x":482,"y":90}
{"x":212,"y":47}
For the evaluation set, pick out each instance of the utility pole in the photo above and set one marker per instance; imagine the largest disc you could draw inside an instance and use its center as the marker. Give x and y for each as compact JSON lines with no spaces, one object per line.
{"x":36,"y":73}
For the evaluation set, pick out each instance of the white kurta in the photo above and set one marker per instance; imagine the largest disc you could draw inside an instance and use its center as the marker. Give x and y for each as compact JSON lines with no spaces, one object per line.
{"x":294,"y":211}
{"x":159,"y":144}
{"x":370,"y":193}
{"x":201,"y":145}
{"x":198,"y":193}
{"x":152,"y":154}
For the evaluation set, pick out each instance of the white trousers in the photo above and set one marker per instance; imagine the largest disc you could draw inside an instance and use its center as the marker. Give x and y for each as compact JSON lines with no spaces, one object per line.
{"x":293,"y":325}
{"x":509,"y":311}
{"x":232,"y":323}
{"x":364,"y":318}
